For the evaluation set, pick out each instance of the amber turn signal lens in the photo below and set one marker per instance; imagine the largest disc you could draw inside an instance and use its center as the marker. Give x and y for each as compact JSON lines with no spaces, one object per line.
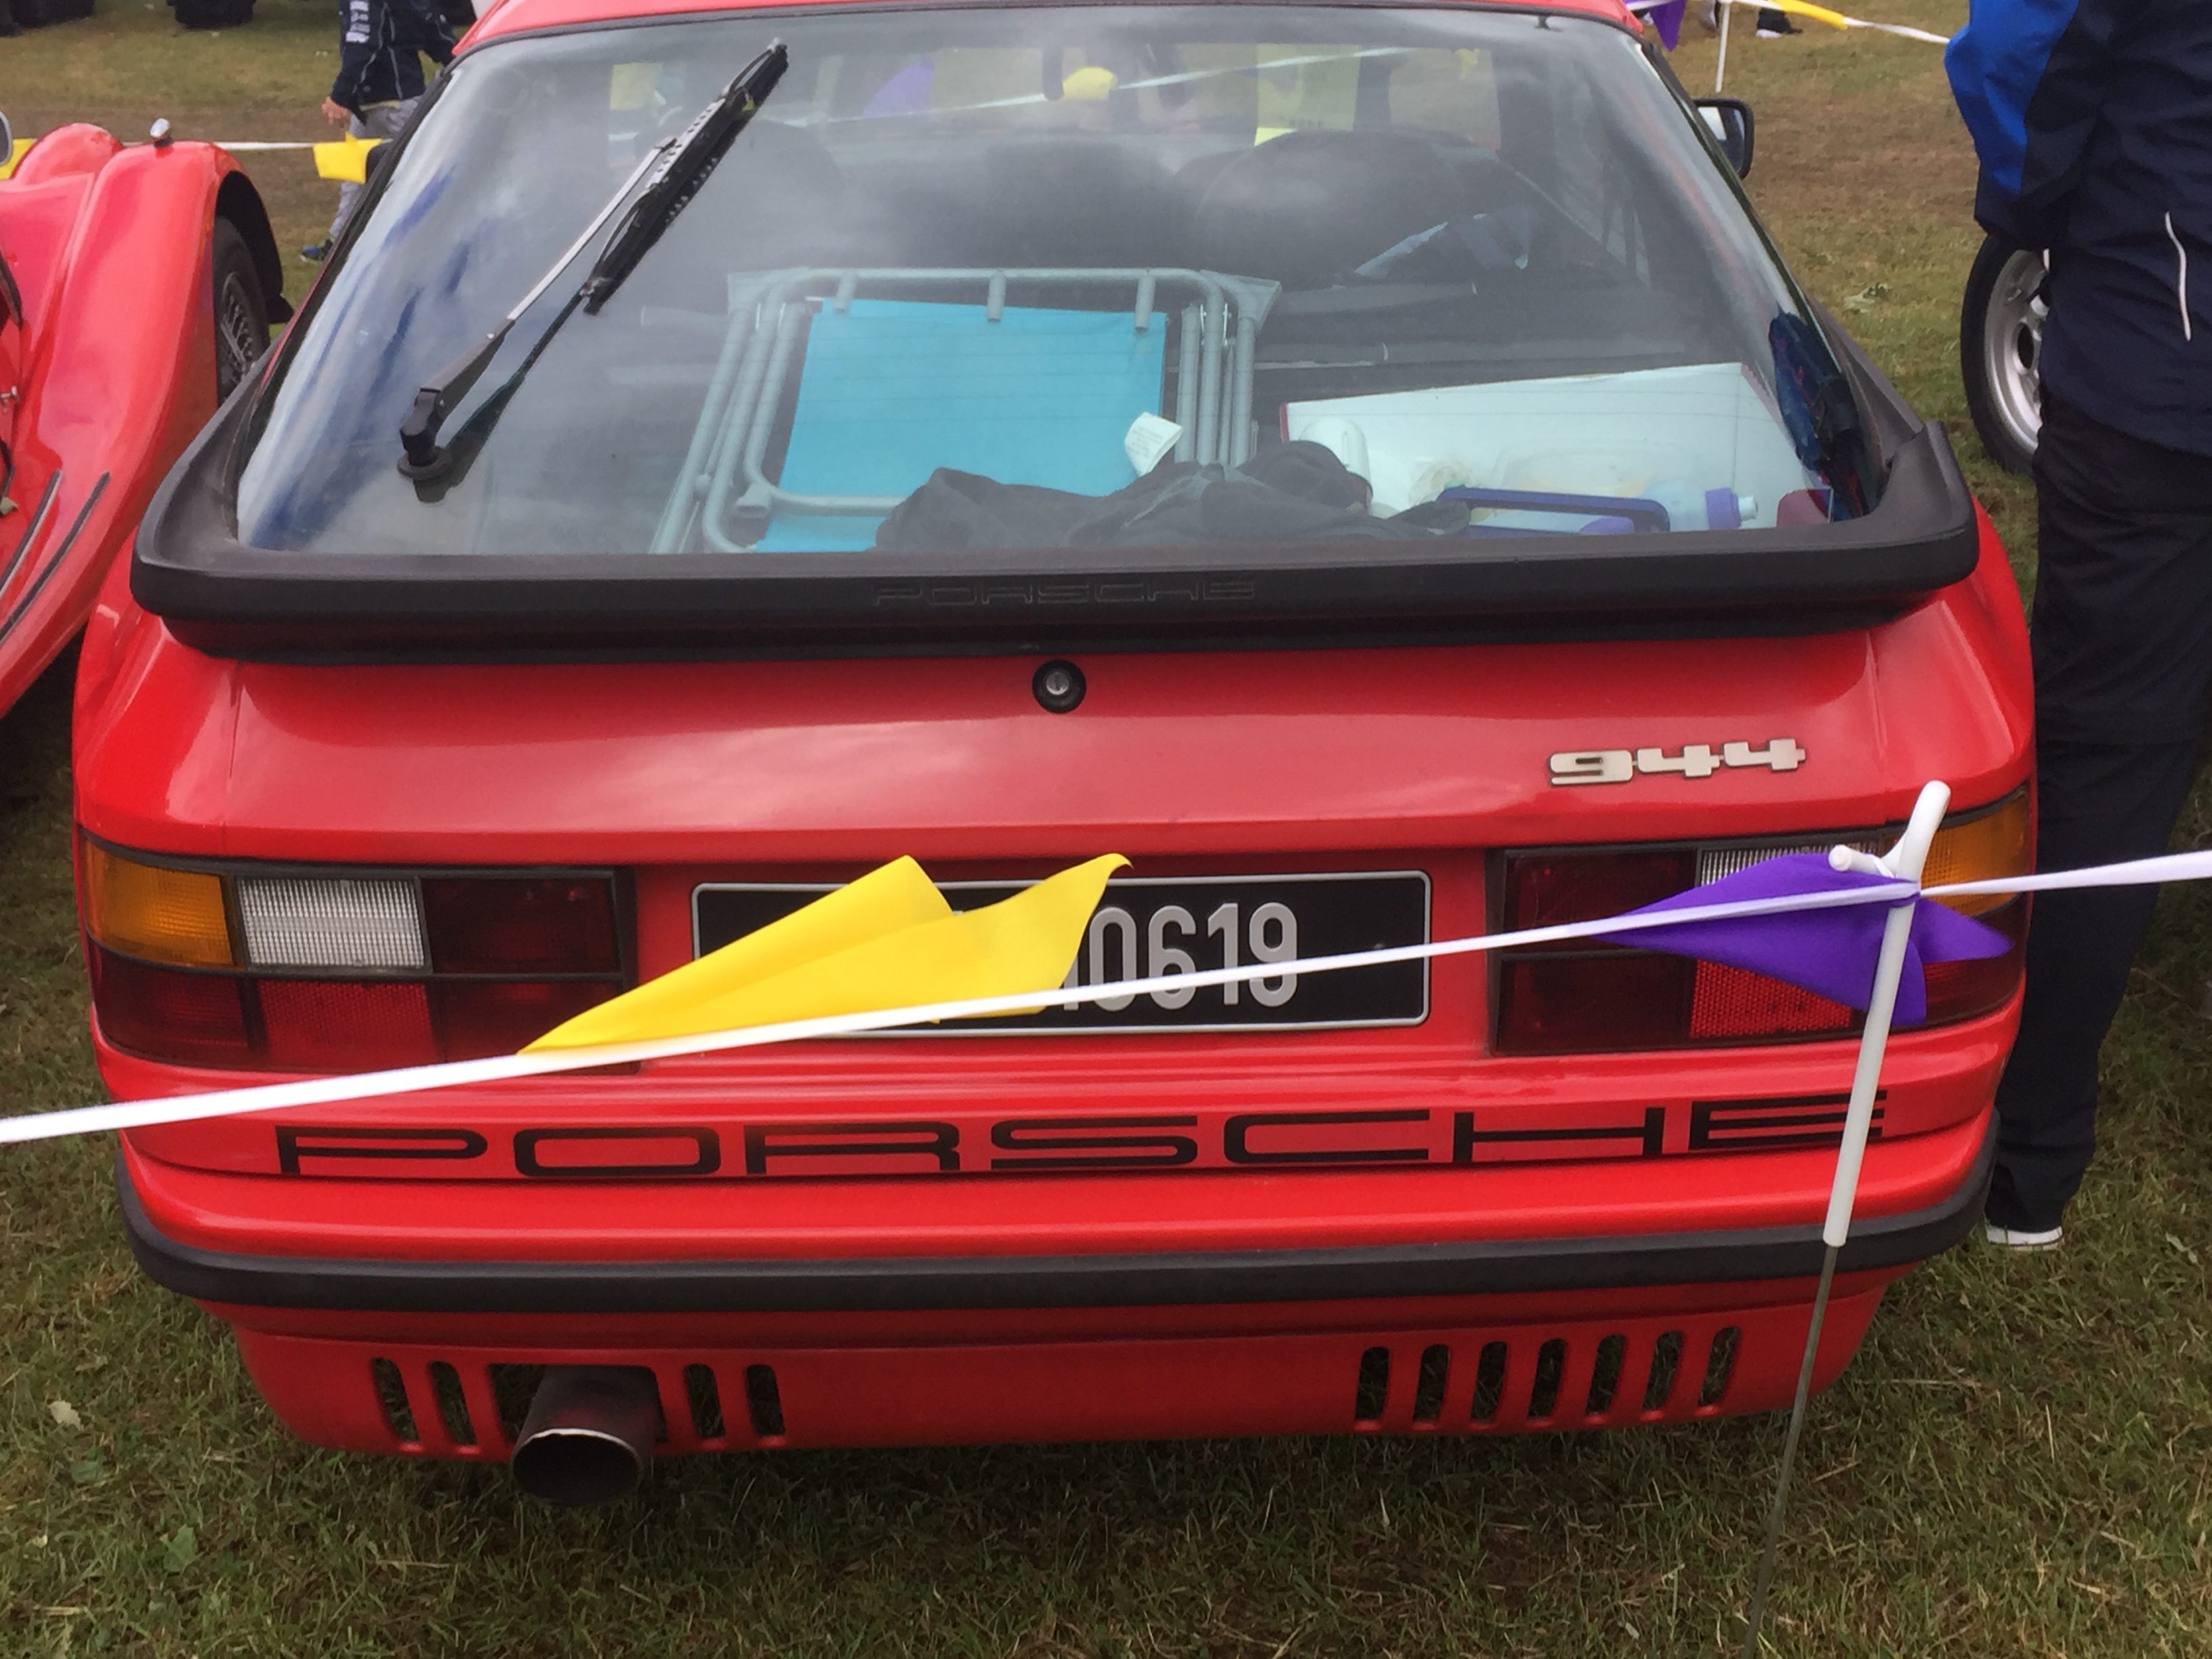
{"x":156,"y":915}
{"x":1981,"y":848}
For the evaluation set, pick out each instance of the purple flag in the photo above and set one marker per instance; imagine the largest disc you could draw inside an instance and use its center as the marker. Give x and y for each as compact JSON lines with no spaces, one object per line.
{"x":1665,"y":15}
{"x":1831,"y":953}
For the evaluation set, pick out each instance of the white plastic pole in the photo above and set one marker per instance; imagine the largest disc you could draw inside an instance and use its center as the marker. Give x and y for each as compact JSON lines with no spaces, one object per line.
{"x":1904,"y":861}
{"x":1720,"y":64}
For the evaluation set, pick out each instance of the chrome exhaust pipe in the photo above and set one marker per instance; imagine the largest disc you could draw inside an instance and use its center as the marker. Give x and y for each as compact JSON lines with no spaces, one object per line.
{"x":589,"y":1435}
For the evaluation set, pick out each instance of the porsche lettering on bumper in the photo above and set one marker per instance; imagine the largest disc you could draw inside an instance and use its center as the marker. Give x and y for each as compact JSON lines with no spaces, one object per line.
{"x":1132,"y":1143}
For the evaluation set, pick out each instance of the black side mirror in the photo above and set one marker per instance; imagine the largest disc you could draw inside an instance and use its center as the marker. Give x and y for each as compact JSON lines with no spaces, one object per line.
{"x":1728,"y":119}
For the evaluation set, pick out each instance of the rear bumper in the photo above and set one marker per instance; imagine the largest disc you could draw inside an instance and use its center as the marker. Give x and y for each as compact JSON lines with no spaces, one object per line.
{"x":436,"y":1356}
{"x":437,"y":1360}
{"x":1148,"y":1279}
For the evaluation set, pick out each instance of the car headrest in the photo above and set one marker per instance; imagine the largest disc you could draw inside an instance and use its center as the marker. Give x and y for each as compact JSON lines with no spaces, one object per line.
{"x":1307,"y":207}
{"x":1073,"y":201}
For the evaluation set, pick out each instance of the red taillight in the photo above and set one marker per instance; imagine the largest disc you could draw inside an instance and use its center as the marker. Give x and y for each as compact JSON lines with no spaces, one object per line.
{"x":1732,"y":1004}
{"x":1959,"y":990}
{"x":530,"y":925}
{"x":345,"y":1026}
{"x":1546,"y":888}
{"x":497,"y":1017}
{"x":197,"y":1018}
{"x":1564,"y":1005}
{"x":337,"y":970}
{"x":1581,"y":999}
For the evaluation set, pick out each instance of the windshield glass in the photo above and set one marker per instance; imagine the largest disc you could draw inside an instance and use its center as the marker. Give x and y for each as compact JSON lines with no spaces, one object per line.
{"x":1051,"y":278}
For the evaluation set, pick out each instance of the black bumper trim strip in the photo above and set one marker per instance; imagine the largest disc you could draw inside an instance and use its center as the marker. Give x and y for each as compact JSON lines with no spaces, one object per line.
{"x":945,"y":1282}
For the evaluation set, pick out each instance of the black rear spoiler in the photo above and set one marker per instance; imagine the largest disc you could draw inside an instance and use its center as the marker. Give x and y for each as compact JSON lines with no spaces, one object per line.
{"x":222,"y":596}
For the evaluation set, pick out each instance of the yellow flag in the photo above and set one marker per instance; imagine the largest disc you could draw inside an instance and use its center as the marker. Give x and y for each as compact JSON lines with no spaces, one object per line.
{"x":346,"y":159}
{"x":1834,"y":20}
{"x":888,"y":940}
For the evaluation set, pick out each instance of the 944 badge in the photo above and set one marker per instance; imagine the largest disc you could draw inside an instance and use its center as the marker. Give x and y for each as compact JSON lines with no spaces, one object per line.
{"x":1697,"y":759}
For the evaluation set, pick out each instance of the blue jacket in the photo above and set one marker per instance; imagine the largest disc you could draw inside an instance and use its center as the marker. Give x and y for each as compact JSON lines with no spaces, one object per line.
{"x":2093,"y":119}
{"x":377,"y":47}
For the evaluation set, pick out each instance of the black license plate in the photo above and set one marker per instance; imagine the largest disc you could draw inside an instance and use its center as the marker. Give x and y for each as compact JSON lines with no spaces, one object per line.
{"x":1149,"y":925}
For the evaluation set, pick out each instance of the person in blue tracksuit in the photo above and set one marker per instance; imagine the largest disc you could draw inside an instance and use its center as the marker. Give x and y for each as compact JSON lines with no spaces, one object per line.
{"x":382,"y":44}
{"x":2093,"y":122}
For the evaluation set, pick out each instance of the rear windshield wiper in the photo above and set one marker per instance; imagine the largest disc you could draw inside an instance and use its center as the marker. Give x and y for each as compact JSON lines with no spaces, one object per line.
{"x":673,"y":173}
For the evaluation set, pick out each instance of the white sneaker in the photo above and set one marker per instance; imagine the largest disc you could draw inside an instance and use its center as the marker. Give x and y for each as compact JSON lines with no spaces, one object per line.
{"x":2013,"y":1239}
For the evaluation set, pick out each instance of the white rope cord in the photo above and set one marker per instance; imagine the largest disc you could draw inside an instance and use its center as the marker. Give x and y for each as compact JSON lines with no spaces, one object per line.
{"x":410,"y":1080}
{"x":1836,"y":19}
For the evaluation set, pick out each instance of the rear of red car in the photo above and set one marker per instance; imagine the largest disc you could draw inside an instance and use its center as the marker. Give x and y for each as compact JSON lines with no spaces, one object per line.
{"x":380,"y":765}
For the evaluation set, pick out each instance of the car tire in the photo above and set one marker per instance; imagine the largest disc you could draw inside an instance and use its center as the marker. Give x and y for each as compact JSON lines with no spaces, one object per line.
{"x":37,"y":14}
{"x":241,"y":311}
{"x":2001,"y":352}
{"x":213,"y":14}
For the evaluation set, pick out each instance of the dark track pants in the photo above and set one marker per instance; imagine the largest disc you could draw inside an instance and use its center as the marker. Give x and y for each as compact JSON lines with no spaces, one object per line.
{"x":2122,"y":634}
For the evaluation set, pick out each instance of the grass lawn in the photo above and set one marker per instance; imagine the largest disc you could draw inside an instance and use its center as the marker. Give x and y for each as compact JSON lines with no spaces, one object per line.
{"x":2018,"y":1464}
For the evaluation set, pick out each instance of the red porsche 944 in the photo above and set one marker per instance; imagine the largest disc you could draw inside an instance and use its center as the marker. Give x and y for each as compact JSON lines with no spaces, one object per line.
{"x":1364,"y":463}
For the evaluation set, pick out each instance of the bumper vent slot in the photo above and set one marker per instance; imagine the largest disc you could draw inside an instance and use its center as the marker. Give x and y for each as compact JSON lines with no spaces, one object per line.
{"x":765,"y":1401}
{"x":1374,"y":1391}
{"x":1544,"y":1392}
{"x":704,"y":1396}
{"x":391,"y":1388}
{"x":1429,"y":1387}
{"x":1666,"y":1362}
{"x":1605,"y":1379}
{"x":1489,"y":1384}
{"x":1720,"y":1366}
{"x":452,"y":1403}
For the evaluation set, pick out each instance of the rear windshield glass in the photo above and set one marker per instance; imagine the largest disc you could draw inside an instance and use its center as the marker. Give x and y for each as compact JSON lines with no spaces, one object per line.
{"x":1056,"y":278}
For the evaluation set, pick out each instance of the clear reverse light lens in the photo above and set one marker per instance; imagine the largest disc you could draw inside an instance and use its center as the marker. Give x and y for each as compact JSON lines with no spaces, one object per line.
{"x":1714,"y":862}
{"x":313,"y":921}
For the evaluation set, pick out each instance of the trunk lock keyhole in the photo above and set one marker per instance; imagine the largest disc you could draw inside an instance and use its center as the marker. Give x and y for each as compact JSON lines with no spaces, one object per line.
{"x":1059,"y":686}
